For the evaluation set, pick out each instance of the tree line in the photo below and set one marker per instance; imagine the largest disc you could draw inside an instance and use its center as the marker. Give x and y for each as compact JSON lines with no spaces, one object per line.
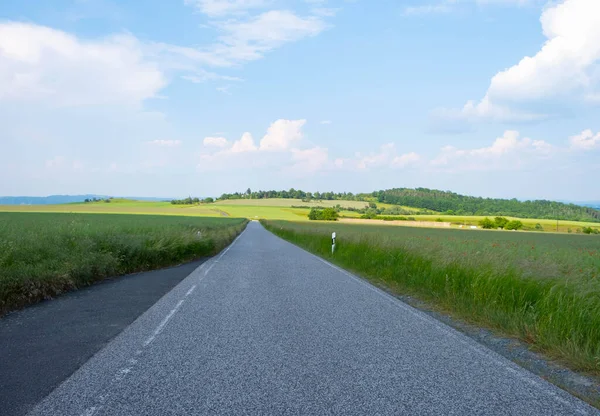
{"x":192,"y":201}
{"x":450,"y":203}
{"x":443,"y":202}
{"x":296,"y":194}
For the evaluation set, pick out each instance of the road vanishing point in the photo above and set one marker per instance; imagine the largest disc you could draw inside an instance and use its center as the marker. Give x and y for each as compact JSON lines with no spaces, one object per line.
{"x":266,"y":328}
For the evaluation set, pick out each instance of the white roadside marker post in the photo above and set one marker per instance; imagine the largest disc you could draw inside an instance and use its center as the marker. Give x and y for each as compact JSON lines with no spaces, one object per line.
{"x":332,"y":242}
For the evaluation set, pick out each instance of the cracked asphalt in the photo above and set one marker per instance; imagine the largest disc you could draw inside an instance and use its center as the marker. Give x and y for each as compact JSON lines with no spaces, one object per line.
{"x":267,"y":328}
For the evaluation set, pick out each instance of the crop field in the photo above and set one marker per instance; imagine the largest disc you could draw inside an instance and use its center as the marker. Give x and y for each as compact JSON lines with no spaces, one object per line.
{"x":274,"y":209}
{"x":251,"y":208}
{"x":287,"y":202}
{"x":541,"y":287}
{"x":45,"y":254}
{"x":548,"y":225}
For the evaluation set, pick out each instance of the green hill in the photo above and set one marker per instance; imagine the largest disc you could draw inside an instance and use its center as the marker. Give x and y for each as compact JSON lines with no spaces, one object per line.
{"x":445,"y":202}
{"x":451,"y":203}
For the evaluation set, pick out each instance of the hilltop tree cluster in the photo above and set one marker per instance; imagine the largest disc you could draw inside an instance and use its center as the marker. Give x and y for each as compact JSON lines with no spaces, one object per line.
{"x":450,"y":203}
{"x":443,"y":202}
{"x":89,"y":200}
{"x":295,"y":194}
{"x":192,"y":201}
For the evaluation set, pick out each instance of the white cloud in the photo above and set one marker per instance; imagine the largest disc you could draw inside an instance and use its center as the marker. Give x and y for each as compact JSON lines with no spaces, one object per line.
{"x":215,"y":142}
{"x":507,"y":152}
{"x":243,"y":145}
{"x":249,"y":40}
{"x":201,"y":76}
{"x":282,"y":134}
{"x":386,"y":153}
{"x":219,"y":8}
{"x":446,"y":6}
{"x":309,"y":160}
{"x":165,"y":143}
{"x":43,"y":64}
{"x":405,"y":160}
{"x":566,"y":67}
{"x":586,"y":140}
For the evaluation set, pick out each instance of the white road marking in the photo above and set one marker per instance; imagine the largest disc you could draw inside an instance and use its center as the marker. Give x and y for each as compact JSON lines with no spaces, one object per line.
{"x":160,"y":327}
{"x":189,"y":292}
{"x":125,"y":371}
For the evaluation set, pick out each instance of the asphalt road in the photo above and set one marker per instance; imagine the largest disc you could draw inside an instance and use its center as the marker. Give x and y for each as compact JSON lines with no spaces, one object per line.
{"x":267,"y":328}
{"x":42,"y":345}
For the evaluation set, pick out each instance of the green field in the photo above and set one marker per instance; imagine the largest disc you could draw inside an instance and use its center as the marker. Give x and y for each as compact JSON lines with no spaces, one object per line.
{"x":43,"y":255}
{"x":273,"y":209}
{"x":250,"y":208}
{"x":541,"y":287}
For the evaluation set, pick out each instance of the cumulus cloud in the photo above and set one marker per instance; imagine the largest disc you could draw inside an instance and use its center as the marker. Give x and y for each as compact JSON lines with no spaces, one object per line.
{"x":405,"y":160}
{"x":165,"y":143}
{"x":586,"y":140}
{"x":309,"y":161}
{"x":215,"y":142}
{"x":243,"y":145}
{"x":506,"y":152}
{"x":386,"y":157}
{"x":44,"y":64}
{"x":282,"y":134}
{"x":565,"y":67}
{"x":378,"y":159}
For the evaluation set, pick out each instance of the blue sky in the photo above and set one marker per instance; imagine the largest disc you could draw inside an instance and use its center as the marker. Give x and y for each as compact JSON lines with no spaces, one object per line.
{"x":172,"y":98}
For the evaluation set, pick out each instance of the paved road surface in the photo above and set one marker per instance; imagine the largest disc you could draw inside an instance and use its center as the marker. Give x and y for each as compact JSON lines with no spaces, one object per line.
{"x":44,"y":344}
{"x":267,"y":328}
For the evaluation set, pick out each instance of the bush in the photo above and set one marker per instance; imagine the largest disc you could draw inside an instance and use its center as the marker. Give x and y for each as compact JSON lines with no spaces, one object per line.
{"x":590,"y":230}
{"x":500,"y":222}
{"x":514,"y":225}
{"x":539,"y":227}
{"x":327,"y":214}
{"x":487,"y":224}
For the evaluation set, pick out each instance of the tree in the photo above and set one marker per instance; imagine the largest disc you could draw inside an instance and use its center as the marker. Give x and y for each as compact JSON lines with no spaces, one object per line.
{"x":514,"y":225}
{"x":487,"y":223}
{"x":372,"y":205}
{"x":208,"y":200}
{"x":314,"y":214}
{"x":500,"y":222}
{"x":327,"y":214}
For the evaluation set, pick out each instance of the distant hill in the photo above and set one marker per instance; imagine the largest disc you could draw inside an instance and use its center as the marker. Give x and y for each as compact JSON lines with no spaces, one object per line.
{"x":445,"y":202}
{"x":452,"y":203}
{"x":61,"y":199}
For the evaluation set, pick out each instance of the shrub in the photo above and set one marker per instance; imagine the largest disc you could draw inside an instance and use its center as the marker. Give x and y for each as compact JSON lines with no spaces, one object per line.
{"x":500,"y":222}
{"x":487,"y":223}
{"x":327,"y":214}
{"x":539,"y":227}
{"x":514,"y":225}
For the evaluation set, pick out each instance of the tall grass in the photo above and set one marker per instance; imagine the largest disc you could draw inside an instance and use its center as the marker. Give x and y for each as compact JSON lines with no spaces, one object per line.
{"x":43,"y":255}
{"x":544,"y":289}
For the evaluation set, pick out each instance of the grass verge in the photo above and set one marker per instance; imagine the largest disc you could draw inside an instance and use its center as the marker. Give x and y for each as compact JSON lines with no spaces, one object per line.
{"x":44,"y":255}
{"x":543,"y":289}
